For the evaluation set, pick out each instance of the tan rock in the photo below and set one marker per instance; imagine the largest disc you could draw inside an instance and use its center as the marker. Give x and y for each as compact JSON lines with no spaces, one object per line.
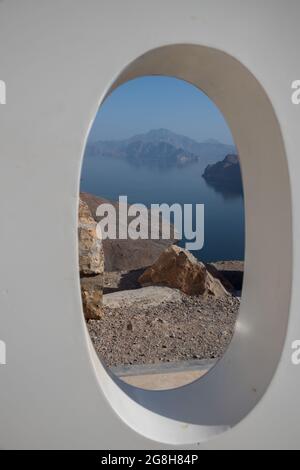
{"x":179,"y":269}
{"x":92,"y":297}
{"x":91,"y":257}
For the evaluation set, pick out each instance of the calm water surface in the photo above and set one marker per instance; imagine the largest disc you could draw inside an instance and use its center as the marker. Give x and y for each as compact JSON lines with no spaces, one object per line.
{"x":224,"y":211}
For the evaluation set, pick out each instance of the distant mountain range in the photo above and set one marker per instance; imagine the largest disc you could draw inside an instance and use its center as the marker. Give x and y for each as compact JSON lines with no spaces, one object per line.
{"x":161,"y":147}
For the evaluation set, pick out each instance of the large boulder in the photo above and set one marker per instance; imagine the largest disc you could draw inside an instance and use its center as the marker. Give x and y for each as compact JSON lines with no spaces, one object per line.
{"x":91,"y":257}
{"x":91,"y":264}
{"x":178,"y":268}
{"x":92,"y":297}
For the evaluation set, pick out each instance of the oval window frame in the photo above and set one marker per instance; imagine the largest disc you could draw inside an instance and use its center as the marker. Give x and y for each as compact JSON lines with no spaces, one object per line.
{"x":225,"y":395}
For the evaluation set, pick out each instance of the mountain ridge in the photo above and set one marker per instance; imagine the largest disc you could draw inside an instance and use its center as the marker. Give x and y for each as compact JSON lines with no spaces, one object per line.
{"x":210,"y":151}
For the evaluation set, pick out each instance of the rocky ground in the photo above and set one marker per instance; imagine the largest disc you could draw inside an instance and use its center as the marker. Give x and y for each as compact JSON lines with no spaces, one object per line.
{"x":178,"y":328}
{"x":153,"y":303}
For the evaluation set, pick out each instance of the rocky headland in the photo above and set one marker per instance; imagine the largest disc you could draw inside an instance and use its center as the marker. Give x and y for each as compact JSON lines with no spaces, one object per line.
{"x":225,"y":175}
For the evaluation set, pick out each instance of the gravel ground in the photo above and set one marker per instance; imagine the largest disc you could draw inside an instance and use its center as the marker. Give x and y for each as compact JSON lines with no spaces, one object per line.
{"x":191,"y":328}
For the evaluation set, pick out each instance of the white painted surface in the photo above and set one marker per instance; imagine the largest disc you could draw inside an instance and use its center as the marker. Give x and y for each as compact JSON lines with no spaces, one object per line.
{"x":58,"y":60}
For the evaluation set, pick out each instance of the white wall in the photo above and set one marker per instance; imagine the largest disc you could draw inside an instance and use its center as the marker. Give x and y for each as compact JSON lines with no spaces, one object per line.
{"x":58,"y":60}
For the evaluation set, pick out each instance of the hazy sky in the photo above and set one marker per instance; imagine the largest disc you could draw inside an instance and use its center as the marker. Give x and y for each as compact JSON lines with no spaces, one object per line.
{"x":159,"y":102}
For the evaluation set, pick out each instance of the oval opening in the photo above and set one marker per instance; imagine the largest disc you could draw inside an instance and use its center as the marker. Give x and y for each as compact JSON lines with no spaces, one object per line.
{"x":161,"y":178}
{"x":223,"y":397}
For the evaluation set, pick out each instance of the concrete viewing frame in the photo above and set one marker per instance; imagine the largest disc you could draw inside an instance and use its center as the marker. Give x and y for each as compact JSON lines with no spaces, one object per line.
{"x":231,"y":389}
{"x":54,"y":391}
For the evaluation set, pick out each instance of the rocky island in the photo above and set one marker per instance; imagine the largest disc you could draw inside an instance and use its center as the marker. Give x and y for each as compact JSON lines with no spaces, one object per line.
{"x":225,"y":175}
